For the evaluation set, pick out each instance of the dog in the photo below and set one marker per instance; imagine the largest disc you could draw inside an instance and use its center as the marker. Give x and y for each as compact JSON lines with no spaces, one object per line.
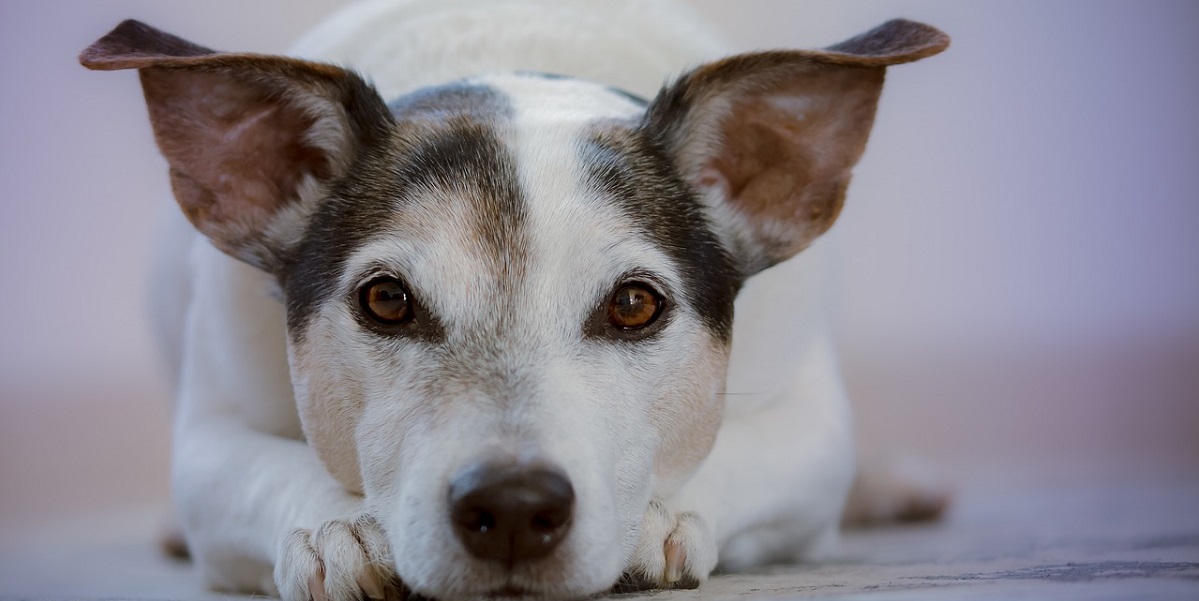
{"x":466,"y":330}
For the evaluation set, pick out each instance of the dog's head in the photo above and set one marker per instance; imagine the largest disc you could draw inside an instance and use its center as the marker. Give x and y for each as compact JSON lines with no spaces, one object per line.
{"x":510,"y":299}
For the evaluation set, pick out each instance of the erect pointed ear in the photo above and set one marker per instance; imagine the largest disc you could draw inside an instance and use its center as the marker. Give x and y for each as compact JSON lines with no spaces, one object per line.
{"x":769,"y":139}
{"x":250,"y":139}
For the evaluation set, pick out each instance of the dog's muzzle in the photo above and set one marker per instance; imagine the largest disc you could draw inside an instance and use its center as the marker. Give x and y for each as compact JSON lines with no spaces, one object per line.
{"x":510,"y":513}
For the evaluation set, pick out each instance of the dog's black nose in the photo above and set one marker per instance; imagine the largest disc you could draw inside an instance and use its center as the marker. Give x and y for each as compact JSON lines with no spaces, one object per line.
{"x":510,"y":513}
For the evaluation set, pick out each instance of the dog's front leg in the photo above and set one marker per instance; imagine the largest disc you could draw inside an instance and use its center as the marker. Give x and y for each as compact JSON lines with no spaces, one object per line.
{"x":258,"y":508}
{"x":242,"y":492}
{"x":262,"y":514}
{"x":773,"y":487}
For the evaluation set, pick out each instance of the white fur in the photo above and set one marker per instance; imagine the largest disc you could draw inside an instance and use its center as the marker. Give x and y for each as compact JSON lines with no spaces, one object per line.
{"x":253,"y":496}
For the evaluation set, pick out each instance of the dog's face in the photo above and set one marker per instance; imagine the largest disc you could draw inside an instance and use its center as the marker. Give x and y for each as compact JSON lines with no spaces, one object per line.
{"x":515,"y":277}
{"x":510,"y":299}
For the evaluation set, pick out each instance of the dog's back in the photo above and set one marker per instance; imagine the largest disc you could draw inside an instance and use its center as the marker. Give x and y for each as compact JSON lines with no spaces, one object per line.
{"x":402,"y":45}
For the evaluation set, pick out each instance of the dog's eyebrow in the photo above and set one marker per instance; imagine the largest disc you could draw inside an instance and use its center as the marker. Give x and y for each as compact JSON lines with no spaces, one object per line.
{"x":626,"y":166}
{"x":444,"y":138}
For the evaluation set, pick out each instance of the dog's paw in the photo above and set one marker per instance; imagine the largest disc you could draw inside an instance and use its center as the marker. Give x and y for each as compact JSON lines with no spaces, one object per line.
{"x":340,"y":560}
{"x":676,"y":550}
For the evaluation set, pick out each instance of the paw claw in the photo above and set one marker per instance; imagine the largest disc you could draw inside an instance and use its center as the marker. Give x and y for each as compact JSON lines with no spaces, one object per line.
{"x":676,"y":551}
{"x":316,"y":586}
{"x":370,"y":584}
{"x":676,"y":557}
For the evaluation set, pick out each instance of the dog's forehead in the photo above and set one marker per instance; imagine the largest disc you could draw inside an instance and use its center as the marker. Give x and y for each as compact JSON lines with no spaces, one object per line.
{"x":506,"y":191}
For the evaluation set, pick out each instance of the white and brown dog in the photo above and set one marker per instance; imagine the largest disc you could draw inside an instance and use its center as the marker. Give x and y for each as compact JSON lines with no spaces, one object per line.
{"x":466,"y":330}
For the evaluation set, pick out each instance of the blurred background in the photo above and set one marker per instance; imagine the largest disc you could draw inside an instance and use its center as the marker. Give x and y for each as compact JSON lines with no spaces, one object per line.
{"x":1020,"y":293}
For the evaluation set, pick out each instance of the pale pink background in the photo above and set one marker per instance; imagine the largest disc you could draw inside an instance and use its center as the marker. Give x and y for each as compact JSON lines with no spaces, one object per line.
{"x":1021,"y":282}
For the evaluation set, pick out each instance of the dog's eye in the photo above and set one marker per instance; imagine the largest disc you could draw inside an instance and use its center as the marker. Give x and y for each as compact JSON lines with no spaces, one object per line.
{"x":634,"y":306}
{"x":386,"y":301}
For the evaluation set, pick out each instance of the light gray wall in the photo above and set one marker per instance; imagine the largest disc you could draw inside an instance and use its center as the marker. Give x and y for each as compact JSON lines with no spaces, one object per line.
{"x":1036,"y":183}
{"x":1028,"y":195}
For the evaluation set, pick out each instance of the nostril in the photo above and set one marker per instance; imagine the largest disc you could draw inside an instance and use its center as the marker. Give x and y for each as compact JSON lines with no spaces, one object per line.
{"x":476,"y":519}
{"x":551,"y":519}
{"x":508,"y":512}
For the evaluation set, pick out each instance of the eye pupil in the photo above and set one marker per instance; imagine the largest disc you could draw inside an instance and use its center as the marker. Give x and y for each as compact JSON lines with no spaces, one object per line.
{"x":386,"y":301}
{"x":634,"y":306}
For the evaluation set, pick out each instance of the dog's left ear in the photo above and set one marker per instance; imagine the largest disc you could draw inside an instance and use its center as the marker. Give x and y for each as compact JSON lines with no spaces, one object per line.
{"x":248,"y":137}
{"x":769,"y":138}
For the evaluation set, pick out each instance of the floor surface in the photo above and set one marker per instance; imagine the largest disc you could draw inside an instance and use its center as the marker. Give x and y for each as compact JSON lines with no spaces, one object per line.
{"x":1129,"y":542}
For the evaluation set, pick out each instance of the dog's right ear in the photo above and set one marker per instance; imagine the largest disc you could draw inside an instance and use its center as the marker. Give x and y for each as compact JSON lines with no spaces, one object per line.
{"x":250,"y":139}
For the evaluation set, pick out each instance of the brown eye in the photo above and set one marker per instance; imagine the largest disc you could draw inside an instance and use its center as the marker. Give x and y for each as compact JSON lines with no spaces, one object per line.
{"x":386,"y":301}
{"x":634,"y":306}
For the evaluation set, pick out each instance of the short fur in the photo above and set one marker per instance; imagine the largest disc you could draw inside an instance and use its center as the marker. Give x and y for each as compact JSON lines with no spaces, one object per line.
{"x":512,"y":182}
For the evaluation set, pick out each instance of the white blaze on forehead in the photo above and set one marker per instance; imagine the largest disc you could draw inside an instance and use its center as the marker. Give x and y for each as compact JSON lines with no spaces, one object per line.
{"x":579,"y":241}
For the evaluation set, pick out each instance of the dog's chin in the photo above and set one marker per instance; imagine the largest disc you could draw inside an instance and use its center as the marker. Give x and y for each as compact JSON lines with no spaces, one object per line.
{"x":545,"y":585}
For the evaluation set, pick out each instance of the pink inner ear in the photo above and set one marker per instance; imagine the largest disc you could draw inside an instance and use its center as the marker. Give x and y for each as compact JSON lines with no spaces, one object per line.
{"x":760,"y":161}
{"x":786,"y":154}
{"x":237,"y":156}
